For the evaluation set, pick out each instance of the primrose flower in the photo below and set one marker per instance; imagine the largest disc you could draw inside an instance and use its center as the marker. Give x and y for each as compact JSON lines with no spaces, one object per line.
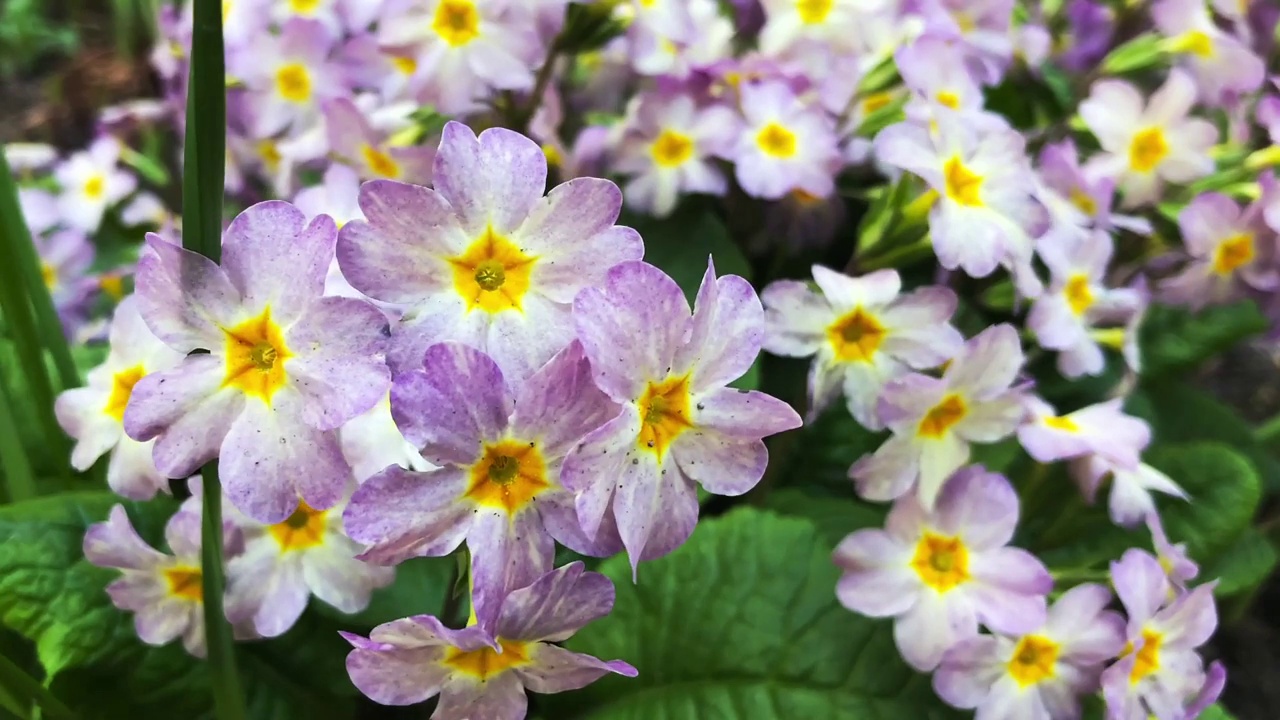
{"x":476,"y":675}
{"x":984,"y":205}
{"x":1232,"y":253}
{"x":1101,"y":428}
{"x":1174,"y":560}
{"x":462,"y":49}
{"x":91,"y":181}
{"x":670,"y":149}
{"x":862,"y":333}
{"x":326,"y":12}
{"x":288,"y":77}
{"x":484,"y":258}
{"x":934,"y":419}
{"x":939,"y":573}
{"x":785,"y":144}
{"x":982,"y":27}
{"x":1160,"y":674}
{"x":653,"y":54}
{"x":789,"y":23}
{"x":1078,"y":199}
{"x":1078,"y":299}
{"x":937,"y":73}
{"x":65,"y":257}
{"x":337,"y":196}
{"x":1042,"y":674}
{"x":164,"y":592}
{"x":285,"y":563}
{"x":679,"y":422}
{"x":1147,"y":144}
{"x":1092,"y":25}
{"x":356,"y":143}
{"x":1130,"y":501}
{"x":284,"y":368}
{"x":1220,"y":62}
{"x":94,"y":414}
{"x":500,"y":454}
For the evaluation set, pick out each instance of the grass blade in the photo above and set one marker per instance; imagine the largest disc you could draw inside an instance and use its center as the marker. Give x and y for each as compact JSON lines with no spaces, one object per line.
{"x":20,"y":484}
{"x":17,"y":242}
{"x":22,"y":686}
{"x":202,"y":188}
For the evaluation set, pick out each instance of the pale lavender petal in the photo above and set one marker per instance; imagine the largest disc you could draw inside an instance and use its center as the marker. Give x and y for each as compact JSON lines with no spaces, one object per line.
{"x":187,"y":411}
{"x":403,"y":514}
{"x":276,"y":259}
{"x":452,"y":406}
{"x":979,"y":506}
{"x":1009,"y":590}
{"x":556,"y":605}
{"x":655,"y":513}
{"x":601,"y":461}
{"x":990,"y":362}
{"x":560,"y":403}
{"x":932,"y":626}
{"x":496,"y":178}
{"x":888,"y":473}
{"x":554,"y":669}
{"x":183,"y":297}
{"x":394,"y":676}
{"x":507,"y":553}
{"x":743,"y":414}
{"x":878,"y":580}
{"x":726,"y":334}
{"x":968,"y":672}
{"x":939,"y":460}
{"x":721,"y":463}
{"x":334,"y":575}
{"x":115,"y":544}
{"x":499,"y":698}
{"x":337,"y":369}
{"x":796,"y":318}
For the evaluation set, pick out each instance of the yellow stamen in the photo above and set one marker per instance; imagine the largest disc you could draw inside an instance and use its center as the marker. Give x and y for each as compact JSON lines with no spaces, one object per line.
{"x":671,"y":149}
{"x":485,"y":663}
{"x":305,"y":528}
{"x":963,"y":185}
{"x":379,"y":163}
{"x":1062,"y":423}
{"x":294,"y":82}
{"x":776,"y":141}
{"x":1083,"y":202}
{"x":856,"y":336}
{"x":664,"y":414}
{"x":95,"y":187}
{"x":948,"y":99}
{"x":943,"y":417}
{"x":1148,"y":148}
{"x":457,"y":22}
{"x":508,"y":476}
{"x":1079,"y":293}
{"x":813,"y":12}
{"x":1034,"y":659}
{"x":1233,"y":253}
{"x":185,"y":582}
{"x":492,"y":274}
{"x":1194,"y":42}
{"x":49,"y":274}
{"x":255,"y":356}
{"x":941,"y":562}
{"x":406,"y":65}
{"x":122,"y":383}
{"x":1148,"y":660}
{"x":304,"y":7}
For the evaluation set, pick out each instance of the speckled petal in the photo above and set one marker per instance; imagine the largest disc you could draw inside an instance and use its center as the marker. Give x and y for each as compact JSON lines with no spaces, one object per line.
{"x":183,"y":296}
{"x":496,"y":178}
{"x":338,"y":370}
{"x":556,"y":605}
{"x":404,"y":514}
{"x":506,"y":553}
{"x":450,"y":407}
{"x":555,"y":669}
{"x":276,"y":259}
{"x":187,"y":411}
{"x":726,"y":334}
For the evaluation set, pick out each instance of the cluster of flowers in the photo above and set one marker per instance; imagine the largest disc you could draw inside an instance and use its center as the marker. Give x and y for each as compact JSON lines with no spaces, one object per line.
{"x":540,"y":384}
{"x":545,"y":383}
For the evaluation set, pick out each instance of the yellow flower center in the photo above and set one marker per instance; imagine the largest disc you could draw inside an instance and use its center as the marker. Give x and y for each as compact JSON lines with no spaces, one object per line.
{"x":485,"y":662}
{"x":671,"y":149}
{"x":1147,"y":149}
{"x":1232,"y":253}
{"x":305,"y":528}
{"x":457,"y":22}
{"x":270,"y":154}
{"x":95,"y":187}
{"x":226,"y":10}
{"x":856,"y":337}
{"x":492,"y":274}
{"x":875,"y":101}
{"x":1148,"y":660}
{"x":255,"y":355}
{"x":1079,"y":294}
{"x":112,"y":285}
{"x":121,"y":390}
{"x":948,"y":99}
{"x":1063,"y":423}
{"x":941,"y":562}
{"x":943,"y":416}
{"x":508,"y":475}
{"x":185,"y":582}
{"x":664,"y":414}
{"x":49,"y":274}
{"x":963,"y":185}
{"x":406,"y":65}
{"x":294,"y":82}
{"x":304,"y":7}
{"x":1033,"y":660}
{"x":1195,"y":42}
{"x":813,"y":12}
{"x":554,"y":158}
{"x":776,"y":141}
{"x":378,"y":162}
{"x":1083,"y":202}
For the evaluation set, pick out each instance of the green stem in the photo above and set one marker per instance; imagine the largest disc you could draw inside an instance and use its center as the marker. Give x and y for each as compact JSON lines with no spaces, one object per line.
{"x":17,"y":243}
{"x":19,"y":481}
{"x":22,"y":685}
{"x":228,"y":700}
{"x":1268,"y":431}
{"x":540,"y":85}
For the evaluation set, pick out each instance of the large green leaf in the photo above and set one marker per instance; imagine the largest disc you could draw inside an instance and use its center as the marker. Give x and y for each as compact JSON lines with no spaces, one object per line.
{"x":1244,"y":565}
{"x":827,"y":447}
{"x":1175,"y":339}
{"x":833,"y":517}
{"x":742,"y":623}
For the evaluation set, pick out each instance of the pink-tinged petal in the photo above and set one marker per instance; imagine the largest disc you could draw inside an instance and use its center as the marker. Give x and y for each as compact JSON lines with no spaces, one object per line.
{"x":394,"y":676}
{"x":276,"y":259}
{"x":507,"y":553}
{"x":499,"y":698}
{"x":990,"y":363}
{"x":437,"y":318}
{"x":556,"y":605}
{"x":743,"y":414}
{"x":632,"y":328}
{"x":496,"y":178}
{"x":979,"y":506}
{"x":939,"y":460}
{"x":337,"y":369}
{"x":270,"y":457}
{"x":1088,"y":631}
{"x":554,"y":669}
{"x":1009,"y":590}
{"x":968,"y":672}
{"x":560,"y":403}
{"x":184,"y":298}
{"x":115,"y":544}
{"x":560,"y":518}
{"x":573,"y":234}
{"x":187,"y":409}
{"x":402,"y":514}
{"x":796,"y":319}
{"x":907,"y":399}
{"x":453,"y":405}
{"x":726,"y":334}
{"x":522,"y":342}
{"x":721,"y":463}
{"x":1205,"y":220}
{"x":335,"y":576}
{"x":656,"y":511}
{"x":1112,"y":111}
{"x":398,"y":254}
{"x":889,"y":472}
{"x":877,"y":581}
{"x":599,"y":462}
{"x":932,"y":626}
{"x":1191,"y":620}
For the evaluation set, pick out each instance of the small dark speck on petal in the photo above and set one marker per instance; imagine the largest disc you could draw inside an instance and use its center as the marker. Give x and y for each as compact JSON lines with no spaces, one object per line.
{"x":702,"y":406}
{"x":650,"y":443}
{"x":635,"y":461}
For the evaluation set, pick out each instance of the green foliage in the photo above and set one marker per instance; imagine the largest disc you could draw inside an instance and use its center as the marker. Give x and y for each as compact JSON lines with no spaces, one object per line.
{"x":1244,"y":565}
{"x":27,"y":35}
{"x":826,"y":449}
{"x":588,"y":26}
{"x":420,"y":587}
{"x":1175,"y":340}
{"x":90,"y":653}
{"x":742,"y":622}
{"x":1140,"y":53}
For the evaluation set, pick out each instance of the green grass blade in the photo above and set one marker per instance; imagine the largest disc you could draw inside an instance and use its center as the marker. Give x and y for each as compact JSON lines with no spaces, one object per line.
{"x":20,"y":484}
{"x":22,"y":686}
{"x":17,"y":243}
{"x":202,"y":188}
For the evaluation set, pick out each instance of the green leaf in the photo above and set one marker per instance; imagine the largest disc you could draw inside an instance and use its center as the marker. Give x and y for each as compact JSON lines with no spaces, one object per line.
{"x":681,"y":243}
{"x":827,"y":447}
{"x":1140,"y":53}
{"x":833,"y":517}
{"x":1216,"y":712}
{"x":742,"y":623}
{"x":1244,"y":565}
{"x":1175,"y":340}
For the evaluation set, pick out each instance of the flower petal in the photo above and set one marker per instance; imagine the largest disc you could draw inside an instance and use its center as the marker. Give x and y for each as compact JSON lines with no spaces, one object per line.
{"x":496,"y":178}
{"x":507,"y":553}
{"x":555,"y":669}
{"x":278,"y":260}
{"x":183,"y":296}
{"x":187,"y":411}
{"x":556,"y":605}
{"x":453,"y":405}
{"x":560,"y":404}
{"x":115,"y":544}
{"x":726,"y":334}
{"x":402,"y":514}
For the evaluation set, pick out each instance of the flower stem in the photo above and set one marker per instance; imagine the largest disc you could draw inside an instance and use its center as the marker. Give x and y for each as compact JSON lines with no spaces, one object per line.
{"x":20,"y":484}
{"x":18,"y":685}
{"x":540,"y":85}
